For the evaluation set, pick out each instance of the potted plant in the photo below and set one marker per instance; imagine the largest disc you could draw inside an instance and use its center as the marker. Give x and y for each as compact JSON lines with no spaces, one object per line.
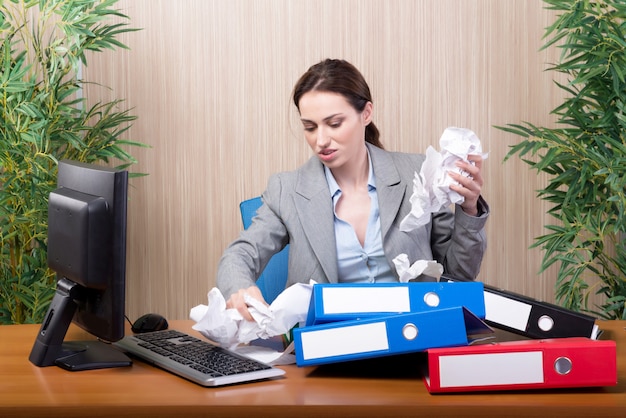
{"x":585,"y":156}
{"x":43,"y":119}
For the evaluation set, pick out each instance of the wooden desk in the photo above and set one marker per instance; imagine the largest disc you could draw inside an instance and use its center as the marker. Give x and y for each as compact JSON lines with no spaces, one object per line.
{"x":142,"y":390}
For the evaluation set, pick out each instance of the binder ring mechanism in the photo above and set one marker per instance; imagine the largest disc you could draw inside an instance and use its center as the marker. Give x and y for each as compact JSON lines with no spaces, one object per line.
{"x":563,"y":365}
{"x":409,"y":331}
{"x":545,"y":323}
{"x":431,"y":299}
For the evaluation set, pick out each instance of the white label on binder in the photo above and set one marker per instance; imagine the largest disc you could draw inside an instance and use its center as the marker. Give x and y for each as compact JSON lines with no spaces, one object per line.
{"x":505,"y":311}
{"x":339,"y":300}
{"x":491,"y":369}
{"x":344,"y":340}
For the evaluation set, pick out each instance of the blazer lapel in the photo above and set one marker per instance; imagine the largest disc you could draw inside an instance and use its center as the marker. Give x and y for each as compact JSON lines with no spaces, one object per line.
{"x":315,"y":211}
{"x":389,"y":187}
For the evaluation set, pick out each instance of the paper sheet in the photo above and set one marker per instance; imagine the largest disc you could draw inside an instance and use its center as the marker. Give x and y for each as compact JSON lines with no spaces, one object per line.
{"x":431,"y":186}
{"x":272,"y":355}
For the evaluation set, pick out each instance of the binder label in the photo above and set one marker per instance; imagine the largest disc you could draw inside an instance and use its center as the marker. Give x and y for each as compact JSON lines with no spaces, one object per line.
{"x":505,"y":311}
{"x":340,"y":341}
{"x":491,"y":369}
{"x":342,"y":300}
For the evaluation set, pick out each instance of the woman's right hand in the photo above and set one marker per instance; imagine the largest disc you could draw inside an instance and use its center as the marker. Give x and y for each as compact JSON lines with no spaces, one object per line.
{"x":238,"y":301}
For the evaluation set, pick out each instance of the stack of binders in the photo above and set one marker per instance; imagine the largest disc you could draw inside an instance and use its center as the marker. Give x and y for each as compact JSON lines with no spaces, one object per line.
{"x":560,"y":350}
{"x":449,"y":320}
{"x":357,"y":321}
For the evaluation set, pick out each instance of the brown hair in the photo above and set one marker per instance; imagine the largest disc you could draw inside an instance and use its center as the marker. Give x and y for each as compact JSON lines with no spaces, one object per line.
{"x":338,"y":76}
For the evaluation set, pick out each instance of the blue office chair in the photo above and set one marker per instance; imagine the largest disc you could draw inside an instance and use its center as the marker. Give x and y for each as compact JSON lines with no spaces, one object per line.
{"x":273,"y":279}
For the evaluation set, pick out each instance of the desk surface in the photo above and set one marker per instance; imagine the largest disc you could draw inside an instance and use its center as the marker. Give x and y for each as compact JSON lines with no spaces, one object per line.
{"x":328,"y":391}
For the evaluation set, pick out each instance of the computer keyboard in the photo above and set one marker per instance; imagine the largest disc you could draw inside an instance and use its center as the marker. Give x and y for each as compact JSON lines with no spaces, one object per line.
{"x":194,"y":359}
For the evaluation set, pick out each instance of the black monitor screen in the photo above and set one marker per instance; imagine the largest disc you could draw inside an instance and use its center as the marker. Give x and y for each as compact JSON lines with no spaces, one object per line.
{"x":87,"y":250}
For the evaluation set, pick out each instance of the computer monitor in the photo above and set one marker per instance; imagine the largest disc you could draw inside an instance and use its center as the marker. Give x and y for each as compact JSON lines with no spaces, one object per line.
{"x":87,"y":250}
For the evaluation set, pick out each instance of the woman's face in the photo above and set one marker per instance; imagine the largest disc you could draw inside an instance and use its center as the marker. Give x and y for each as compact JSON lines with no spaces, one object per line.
{"x":334,"y":130}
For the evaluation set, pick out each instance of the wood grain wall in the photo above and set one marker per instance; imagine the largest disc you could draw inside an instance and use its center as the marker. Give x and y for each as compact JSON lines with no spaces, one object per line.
{"x":210,"y":82}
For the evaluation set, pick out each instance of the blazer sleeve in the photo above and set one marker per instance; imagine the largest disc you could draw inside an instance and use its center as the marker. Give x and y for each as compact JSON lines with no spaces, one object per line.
{"x":459,"y":242}
{"x":453,"y":238}
{"x":245,"y":258}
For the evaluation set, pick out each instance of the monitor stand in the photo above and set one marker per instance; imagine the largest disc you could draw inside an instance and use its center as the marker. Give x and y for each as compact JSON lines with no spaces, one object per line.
{"x":49,"y":348}
{"x":89,"y":355}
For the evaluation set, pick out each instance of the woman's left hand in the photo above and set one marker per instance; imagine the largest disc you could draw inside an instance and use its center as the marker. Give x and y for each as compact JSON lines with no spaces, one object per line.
{"x":470,"y":185}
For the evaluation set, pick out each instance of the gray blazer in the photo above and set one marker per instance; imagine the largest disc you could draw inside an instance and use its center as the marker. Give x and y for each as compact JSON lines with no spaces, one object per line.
{"x":297,"y":210}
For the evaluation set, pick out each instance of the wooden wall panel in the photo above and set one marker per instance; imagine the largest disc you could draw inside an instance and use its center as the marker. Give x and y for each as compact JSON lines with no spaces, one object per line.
{"x":210,"y":82}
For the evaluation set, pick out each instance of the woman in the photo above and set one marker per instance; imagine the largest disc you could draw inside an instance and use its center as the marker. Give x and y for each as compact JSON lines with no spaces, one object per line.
{"x":340,"y":212}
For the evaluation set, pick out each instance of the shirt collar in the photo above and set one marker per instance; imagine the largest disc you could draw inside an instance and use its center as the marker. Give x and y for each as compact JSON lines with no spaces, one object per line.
{"x":333,"y":187}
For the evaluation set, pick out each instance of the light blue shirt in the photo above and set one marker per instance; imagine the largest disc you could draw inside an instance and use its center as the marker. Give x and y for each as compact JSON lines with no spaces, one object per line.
{"x":356,"y":263}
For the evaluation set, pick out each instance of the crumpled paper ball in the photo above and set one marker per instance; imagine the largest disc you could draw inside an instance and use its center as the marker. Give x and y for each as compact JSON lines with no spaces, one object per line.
{"x":407,"y":271}
{"x":228,"y":328}
{"x":431,"y":186}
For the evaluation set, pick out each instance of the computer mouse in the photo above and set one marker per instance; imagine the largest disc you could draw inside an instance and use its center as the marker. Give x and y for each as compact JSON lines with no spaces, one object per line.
{"x":148,"y":323}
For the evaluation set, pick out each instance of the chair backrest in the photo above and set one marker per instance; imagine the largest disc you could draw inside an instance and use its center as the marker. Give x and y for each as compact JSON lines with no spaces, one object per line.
{"x":273,"y":279}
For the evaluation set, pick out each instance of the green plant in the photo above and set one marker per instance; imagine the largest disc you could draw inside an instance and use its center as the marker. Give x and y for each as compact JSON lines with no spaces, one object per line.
{"x":43,"y":119}
{"x":585,"y":156}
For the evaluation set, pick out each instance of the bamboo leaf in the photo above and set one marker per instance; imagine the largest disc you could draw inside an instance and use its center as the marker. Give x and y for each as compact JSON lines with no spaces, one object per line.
{"x":585,"y":158}
{"x":42,"y":120}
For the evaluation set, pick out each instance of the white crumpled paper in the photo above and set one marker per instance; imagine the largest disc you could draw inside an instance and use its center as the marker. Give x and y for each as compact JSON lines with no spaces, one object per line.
{"x":407,"y":271}
{"x":431,"y":186}
{"x":228,"y":328}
